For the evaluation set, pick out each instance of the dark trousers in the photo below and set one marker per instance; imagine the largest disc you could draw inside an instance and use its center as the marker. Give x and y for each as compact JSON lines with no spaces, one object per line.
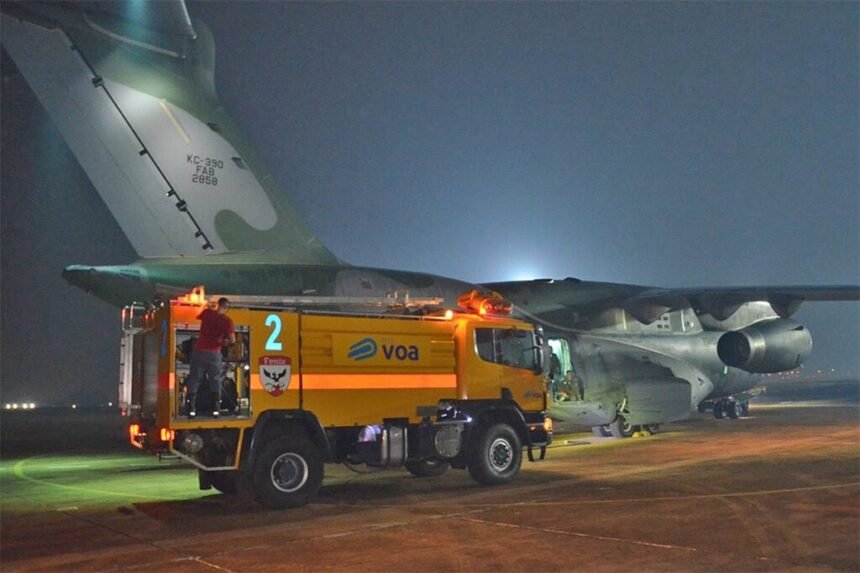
{"x":203,"y":365}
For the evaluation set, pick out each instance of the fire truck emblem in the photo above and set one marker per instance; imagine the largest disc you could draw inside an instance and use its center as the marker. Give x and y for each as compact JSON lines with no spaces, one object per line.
{"x":275,"y":374}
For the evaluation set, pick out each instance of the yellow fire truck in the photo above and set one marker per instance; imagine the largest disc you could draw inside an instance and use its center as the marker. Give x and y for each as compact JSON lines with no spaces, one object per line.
{"x":306,"y":387}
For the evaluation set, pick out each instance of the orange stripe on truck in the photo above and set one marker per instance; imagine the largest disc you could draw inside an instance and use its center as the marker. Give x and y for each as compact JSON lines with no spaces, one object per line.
{"x":377,"y":381}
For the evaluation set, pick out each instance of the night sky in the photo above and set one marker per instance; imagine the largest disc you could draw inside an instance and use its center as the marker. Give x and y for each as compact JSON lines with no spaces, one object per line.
{"x":694,"y":144}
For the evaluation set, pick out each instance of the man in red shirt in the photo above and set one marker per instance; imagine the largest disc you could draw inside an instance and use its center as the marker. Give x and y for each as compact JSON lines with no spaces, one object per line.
{"x":216,"y":328}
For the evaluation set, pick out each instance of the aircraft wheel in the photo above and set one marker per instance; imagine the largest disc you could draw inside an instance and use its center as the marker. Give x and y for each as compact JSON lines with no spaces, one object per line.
{"x":702,"y":408}
{"x":495,"y":455}
{"x":601,"y":431}
{"x":653,"y":428}
{"x":427,"y":468}
{"x":733,"y":409}
{"x":288,"y":473}
{"x":718,"y":411}
{"x":745,"y":408}
{"x":621,"y":427}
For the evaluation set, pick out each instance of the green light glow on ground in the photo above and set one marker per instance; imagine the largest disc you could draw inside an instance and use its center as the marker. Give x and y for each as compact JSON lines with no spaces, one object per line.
{"x":66,"y":483}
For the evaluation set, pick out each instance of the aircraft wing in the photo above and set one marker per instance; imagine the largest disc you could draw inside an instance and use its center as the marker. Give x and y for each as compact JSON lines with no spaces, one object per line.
{"x":572,"y":300}
{"x":722,"y":302}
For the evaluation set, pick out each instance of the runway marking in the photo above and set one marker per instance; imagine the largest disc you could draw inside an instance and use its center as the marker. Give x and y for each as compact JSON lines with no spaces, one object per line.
{"x":204,"y":562}
{"x":598,"y":501}
{"x":368,"y":527}
{"x":577,"y":534}
{"x":698,"y":496}
{"x":18,"y":470}
{"x":417,"y":521}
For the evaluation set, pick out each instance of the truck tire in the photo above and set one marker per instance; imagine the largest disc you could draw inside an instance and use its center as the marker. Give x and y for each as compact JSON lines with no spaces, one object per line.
{"x":495,"y":455}
{"x":427,"y":468}
{"x":288,"y":472}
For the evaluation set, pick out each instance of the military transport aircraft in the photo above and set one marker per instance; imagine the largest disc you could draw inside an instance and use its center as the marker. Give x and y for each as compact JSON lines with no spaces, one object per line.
{"x":131,"y":88}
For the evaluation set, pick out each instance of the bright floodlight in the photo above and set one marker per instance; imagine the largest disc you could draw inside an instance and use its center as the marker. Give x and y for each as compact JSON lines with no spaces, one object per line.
{"x":32,"y":406}
{"x":14,"y":406}
{"x":74,"y":406}
{"x":8,"y":406}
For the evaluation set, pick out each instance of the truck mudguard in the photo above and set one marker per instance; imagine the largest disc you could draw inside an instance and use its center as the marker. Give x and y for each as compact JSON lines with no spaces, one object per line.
{"x":271,"y":419}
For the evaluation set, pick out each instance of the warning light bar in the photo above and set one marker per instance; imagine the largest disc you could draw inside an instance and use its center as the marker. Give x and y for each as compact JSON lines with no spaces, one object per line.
{"x":484,"y":304}
{"x":167,"y":435}
{"x":197,"y":296}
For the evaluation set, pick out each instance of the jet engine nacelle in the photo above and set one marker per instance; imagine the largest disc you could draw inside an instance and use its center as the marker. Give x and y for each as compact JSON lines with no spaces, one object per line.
{"x":768,"y":346}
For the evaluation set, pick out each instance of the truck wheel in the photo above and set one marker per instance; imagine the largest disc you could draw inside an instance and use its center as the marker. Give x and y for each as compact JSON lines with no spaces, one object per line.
{"x":426,"y":468}
{"x":288,"y":473}
{"x":496,"y":454}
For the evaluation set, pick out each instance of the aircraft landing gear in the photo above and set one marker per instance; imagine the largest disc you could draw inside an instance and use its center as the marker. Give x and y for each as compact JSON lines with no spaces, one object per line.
{"x":621,"y":427}
{"x":734,"y":410}
{"x":729,"y":407}
{"x":601,"y":431}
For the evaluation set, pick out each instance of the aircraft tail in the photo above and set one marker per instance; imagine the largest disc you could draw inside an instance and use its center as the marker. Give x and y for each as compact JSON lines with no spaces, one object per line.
{"x":131,"y":88}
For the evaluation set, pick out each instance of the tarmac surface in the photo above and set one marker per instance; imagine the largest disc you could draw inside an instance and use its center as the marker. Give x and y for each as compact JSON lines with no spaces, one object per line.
{"x":777,"y":491}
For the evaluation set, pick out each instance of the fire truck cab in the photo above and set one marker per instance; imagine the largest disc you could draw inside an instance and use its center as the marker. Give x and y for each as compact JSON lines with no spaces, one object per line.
{"x":304,"y":387}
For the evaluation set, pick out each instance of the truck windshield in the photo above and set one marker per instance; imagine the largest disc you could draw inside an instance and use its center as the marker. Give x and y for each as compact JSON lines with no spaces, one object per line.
{"x":507,"y":346}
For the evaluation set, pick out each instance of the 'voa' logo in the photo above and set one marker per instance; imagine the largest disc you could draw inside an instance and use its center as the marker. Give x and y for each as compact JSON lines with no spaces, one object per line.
{"x":363,"y":349}
{"x":368,"y":348}
{"x":400,"y":351}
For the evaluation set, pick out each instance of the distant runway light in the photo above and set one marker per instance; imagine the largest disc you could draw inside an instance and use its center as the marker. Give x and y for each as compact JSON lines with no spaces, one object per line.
{"x":74,"y":406}
{"x":110,"y":403}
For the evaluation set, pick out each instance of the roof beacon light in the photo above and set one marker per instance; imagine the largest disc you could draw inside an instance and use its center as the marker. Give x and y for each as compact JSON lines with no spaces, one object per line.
{"x":487,"y":303}
{"x":197,"y":296}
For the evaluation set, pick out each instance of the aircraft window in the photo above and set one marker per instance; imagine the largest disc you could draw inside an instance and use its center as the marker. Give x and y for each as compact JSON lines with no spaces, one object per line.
{"x":507,"y":346}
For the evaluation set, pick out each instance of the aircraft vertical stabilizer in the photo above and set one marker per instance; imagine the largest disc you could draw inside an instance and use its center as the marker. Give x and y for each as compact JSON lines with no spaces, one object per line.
{"x":133,"y":95}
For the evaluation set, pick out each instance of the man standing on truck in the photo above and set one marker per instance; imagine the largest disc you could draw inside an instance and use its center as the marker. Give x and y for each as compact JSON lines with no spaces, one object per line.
{"x":216,"y":328}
